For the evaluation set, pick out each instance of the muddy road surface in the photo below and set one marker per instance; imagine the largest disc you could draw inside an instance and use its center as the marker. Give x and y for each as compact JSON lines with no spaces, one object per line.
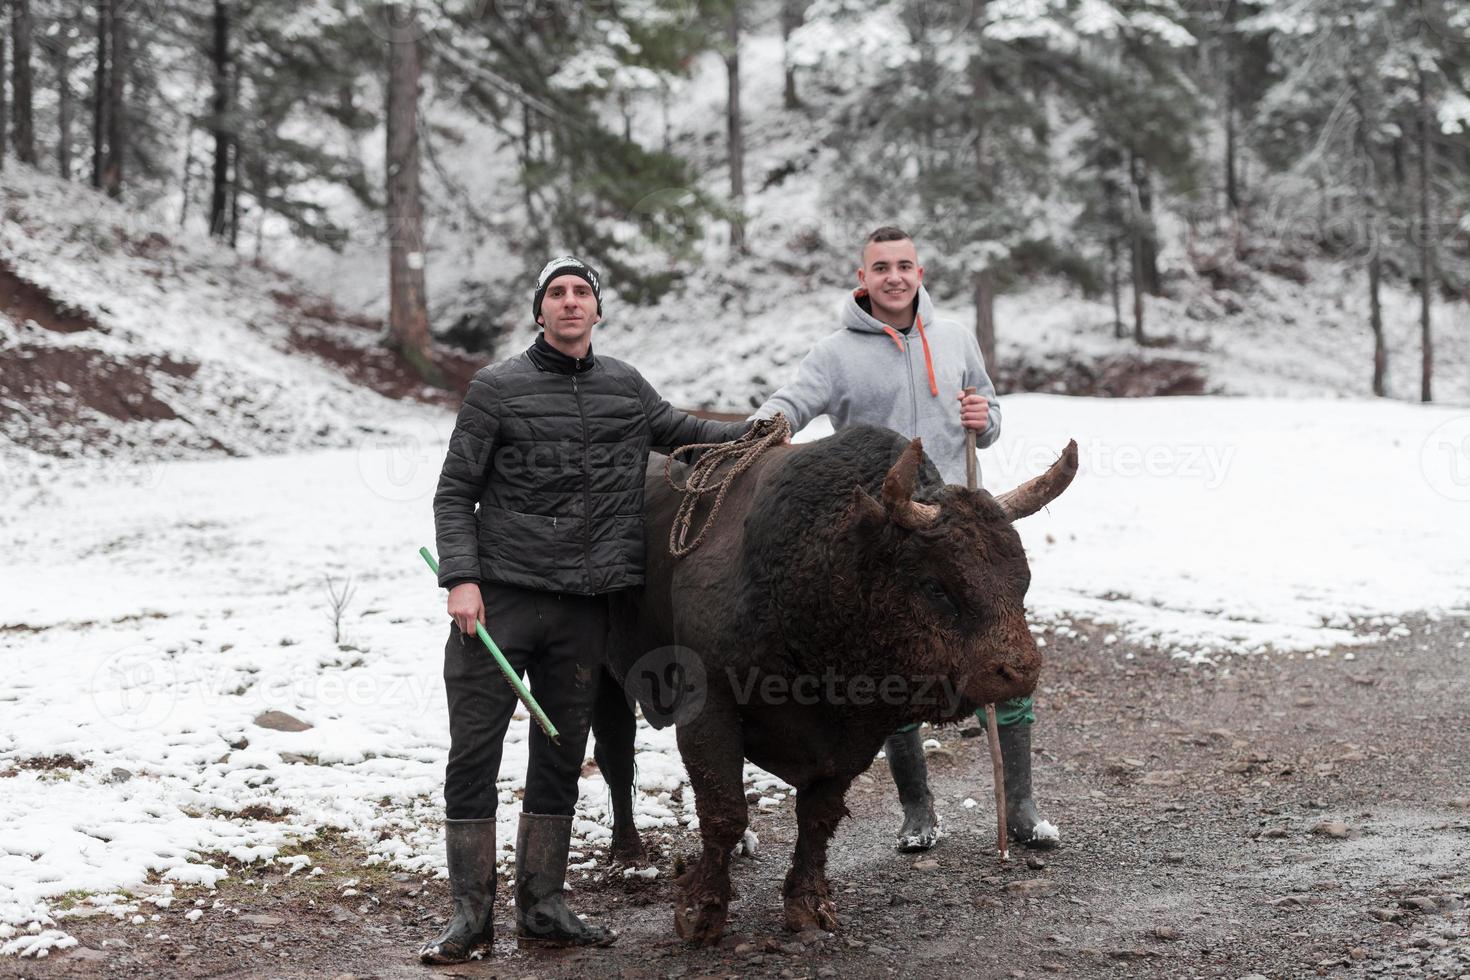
{"x":1269,"y":816}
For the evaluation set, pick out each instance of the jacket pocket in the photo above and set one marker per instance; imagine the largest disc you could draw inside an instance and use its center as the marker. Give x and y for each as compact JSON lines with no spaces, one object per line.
{"x":537,"y":542}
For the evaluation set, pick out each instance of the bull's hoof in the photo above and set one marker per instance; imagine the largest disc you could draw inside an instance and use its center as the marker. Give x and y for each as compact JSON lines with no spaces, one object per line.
{"x":805,"y":912}
{"x":628,"y":849}
{"x":701,"y":923}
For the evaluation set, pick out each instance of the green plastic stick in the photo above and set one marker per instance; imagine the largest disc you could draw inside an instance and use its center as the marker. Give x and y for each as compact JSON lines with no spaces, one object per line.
{"x":506,"y":669}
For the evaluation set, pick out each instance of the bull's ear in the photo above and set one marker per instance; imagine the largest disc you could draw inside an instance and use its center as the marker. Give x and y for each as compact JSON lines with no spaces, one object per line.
{"x":864,"y":512}
{"x":1039,"y":491}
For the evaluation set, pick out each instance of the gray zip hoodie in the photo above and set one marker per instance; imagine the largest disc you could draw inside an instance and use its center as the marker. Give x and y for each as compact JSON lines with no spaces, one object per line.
{"x":862,"y":374}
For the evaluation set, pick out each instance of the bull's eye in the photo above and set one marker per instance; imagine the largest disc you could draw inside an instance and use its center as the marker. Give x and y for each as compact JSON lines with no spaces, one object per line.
{"x":936,"y":593}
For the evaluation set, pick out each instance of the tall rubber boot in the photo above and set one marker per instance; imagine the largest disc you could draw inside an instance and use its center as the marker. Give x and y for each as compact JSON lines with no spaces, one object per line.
{"x":470,"y":847}
{"x":1024,"y":821}
{"x":542,"y":916}
{"x":921,"y":827}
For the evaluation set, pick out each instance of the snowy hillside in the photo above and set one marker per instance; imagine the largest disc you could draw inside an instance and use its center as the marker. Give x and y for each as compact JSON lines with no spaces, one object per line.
{"x":123,"y":337}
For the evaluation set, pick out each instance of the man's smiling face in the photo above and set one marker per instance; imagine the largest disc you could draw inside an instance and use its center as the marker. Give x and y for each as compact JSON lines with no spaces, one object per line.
{"x":891,"y":273}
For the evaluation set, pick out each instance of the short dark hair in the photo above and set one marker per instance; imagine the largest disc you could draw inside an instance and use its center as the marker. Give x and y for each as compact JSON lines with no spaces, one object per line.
{"x":887,"y":233}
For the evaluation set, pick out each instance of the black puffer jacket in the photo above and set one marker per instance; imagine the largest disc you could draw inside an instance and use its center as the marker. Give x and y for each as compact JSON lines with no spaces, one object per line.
{"x":543,"y":441}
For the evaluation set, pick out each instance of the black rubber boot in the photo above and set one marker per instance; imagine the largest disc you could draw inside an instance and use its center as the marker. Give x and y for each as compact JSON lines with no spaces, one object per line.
{"x":921,"y":827}
{"x":542,"y":916}
{"x":1024,"y":822}
{"x":470,"y":845}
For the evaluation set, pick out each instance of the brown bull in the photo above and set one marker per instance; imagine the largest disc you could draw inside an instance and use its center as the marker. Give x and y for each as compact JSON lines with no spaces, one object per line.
{"x":844,"y":591}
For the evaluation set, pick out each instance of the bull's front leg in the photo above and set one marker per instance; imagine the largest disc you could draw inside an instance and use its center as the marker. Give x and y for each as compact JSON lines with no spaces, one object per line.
{"x":713,"y":754}
{"x":614,"y":728}
{"x":819,"y":809}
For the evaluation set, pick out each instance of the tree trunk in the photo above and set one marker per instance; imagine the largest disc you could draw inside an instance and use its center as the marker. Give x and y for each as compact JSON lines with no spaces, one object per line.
{"x":99,"y":92}
{"x":735,"y":136}
{"x":187,"y":182}
{"x":535,"y":225}
{"x":1426,"y":247}
{"x":4,"y":100}
{"x":236,"y":164}
{"x":408,"y":309}
{"x":666,"y":99}
{"x":25,"y":128}
{"x":1115,"y":288}
{"x":985,"y":318}
{"x":1135,"y":254}
{"x":117,"y":141}
{"x":219,"y":115}
{"x":984,"y":279}
{"x":1368,"y":193}
{"x":1375,"y":321}
{"x":792,"y":14}
{"x":65,"y":98}
{"x":1145,"y":244}
{"x":1232,"y":191}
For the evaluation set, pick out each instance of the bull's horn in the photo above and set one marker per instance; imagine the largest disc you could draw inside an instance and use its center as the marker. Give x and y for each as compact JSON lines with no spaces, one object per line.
{"x":898,"y":490}
{"x":1039,"y":491}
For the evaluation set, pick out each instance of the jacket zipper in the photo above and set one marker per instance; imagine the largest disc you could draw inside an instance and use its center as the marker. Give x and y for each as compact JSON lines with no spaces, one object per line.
{"x":586,"y":487}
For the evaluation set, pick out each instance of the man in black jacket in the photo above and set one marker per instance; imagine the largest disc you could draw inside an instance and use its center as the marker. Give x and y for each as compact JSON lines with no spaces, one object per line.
{"x":538,"y":516}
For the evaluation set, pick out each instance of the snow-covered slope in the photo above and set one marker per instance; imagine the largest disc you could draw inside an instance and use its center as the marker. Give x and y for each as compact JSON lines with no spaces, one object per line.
{"x":123,"y":337}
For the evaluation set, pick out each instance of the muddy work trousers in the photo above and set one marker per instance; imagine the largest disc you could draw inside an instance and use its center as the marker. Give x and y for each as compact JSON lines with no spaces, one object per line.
{"x":560,"y":642}
{"x":1016,"y":711}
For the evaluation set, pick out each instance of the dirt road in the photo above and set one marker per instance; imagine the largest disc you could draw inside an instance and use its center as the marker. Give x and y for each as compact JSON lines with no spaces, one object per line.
{"x":1271,"y":816}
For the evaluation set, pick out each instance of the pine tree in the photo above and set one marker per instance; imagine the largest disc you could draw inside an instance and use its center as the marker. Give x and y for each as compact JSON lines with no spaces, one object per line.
{"x":1354,"y":120}
{"x":23,"y":110}
{"x":583,"y":182}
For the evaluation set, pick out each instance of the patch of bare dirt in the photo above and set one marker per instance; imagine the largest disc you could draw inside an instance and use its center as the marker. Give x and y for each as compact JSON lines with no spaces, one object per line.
{"x":45,"y":762}
{"x":118,"y":387}
{"x":354,"y":345}
{"x":22,"y":300}
{"x":65,"y":389}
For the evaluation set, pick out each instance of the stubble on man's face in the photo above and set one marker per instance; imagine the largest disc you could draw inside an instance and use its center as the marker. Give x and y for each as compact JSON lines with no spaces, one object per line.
{"x":568,"y":311}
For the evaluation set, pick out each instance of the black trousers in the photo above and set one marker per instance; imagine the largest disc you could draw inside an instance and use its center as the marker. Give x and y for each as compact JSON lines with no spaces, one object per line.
{"x":558,"y":640}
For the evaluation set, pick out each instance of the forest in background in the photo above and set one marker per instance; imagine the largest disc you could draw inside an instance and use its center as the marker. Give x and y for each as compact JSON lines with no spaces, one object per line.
{"x":1022,"y":139}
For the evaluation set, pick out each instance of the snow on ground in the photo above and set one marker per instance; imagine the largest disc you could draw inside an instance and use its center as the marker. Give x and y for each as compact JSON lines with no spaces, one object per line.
{"x":150,"y":614}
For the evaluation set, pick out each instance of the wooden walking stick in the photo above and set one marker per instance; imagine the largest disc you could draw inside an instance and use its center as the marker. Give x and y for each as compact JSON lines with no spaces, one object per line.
{"x":1002,"y":844}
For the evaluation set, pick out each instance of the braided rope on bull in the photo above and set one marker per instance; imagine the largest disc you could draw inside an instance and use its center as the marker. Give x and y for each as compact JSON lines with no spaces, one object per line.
{"x":705,"y":477}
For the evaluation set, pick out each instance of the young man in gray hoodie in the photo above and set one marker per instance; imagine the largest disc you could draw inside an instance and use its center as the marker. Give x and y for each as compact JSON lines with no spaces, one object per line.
{"x":894,"y":363}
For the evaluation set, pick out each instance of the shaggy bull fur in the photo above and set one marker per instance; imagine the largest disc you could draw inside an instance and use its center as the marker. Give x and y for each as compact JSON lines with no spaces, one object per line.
{"x":843,"y":592}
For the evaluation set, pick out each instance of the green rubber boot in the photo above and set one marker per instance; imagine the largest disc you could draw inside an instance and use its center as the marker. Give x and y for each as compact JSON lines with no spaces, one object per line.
{"x":1024,"y":822}
{"x":542,"y":916}
{"x":470,"y":847}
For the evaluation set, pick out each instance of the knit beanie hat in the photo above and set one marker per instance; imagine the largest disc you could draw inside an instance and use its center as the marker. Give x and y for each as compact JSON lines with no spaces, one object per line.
{"x":566,"y":265}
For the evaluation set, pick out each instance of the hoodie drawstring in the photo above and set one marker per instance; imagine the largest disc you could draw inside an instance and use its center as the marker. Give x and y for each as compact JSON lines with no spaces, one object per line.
{"x":923,"y":339}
